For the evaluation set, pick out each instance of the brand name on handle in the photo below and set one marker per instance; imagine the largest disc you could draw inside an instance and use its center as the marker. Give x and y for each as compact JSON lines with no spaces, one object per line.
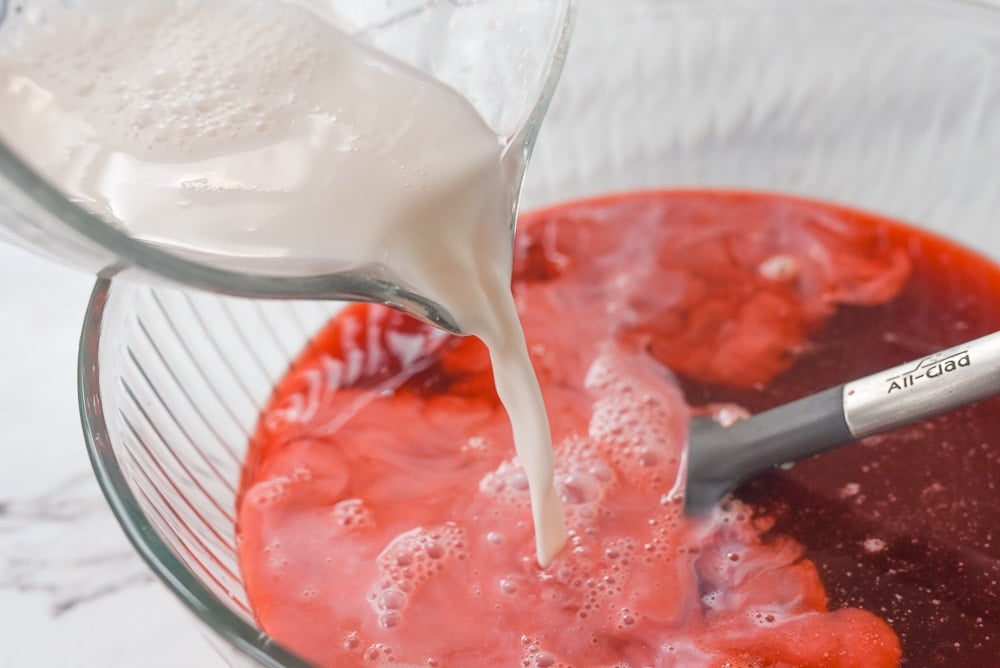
{"x":929,"y":368}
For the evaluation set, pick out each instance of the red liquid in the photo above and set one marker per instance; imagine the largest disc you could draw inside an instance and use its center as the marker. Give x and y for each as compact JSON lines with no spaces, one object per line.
{"x":382,"y":519}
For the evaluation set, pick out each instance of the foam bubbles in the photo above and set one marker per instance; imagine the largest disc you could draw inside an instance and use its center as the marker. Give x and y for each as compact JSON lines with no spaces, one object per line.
{"x":248,"y":92}
{"x":173,"y":78}
{"x":507,"y":483}
{"x":534,"y":656}
{"x":639,"y":416}
{"x":408,"y":561}
{"x":352,"y":514}
{"x":578,"y":487}
{"x":763,"y":618}
{"x":378,"y":652}
{"x":268,"y":492}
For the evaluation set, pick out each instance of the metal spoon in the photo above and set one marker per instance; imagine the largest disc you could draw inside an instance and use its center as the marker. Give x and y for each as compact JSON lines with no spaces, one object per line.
{"x":720,"y":458}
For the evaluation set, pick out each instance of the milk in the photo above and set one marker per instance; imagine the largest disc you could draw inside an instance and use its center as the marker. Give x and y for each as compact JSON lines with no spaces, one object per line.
{"x":255,"y":136}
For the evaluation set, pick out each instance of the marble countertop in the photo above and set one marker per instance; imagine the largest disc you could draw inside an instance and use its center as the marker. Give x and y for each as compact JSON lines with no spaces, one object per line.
{"x":72,"y":590}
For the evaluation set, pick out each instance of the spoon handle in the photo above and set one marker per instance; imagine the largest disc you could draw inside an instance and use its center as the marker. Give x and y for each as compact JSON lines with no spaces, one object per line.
{"x":720,"y":458}
{"x":925,"y":387}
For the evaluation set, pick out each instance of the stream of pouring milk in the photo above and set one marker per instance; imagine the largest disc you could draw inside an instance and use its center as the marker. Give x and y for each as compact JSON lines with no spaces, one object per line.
{"x":255,"y":135}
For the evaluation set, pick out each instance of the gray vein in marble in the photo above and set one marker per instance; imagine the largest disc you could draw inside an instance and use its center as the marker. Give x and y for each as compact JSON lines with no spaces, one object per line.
{"x":66,"y":544}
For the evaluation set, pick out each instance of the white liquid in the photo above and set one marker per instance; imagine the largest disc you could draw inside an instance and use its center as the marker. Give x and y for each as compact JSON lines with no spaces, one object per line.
{"x":254,"y":135}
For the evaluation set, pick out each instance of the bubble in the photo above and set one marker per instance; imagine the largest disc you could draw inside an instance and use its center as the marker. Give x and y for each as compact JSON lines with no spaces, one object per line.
{"x":779,"y":268}
{"x":544,"y":660}
{"x":727,"y":414}
{"x":874,"y":545}
{"x":649,"y":456}
{"x":507,"y":483}
{"x":350,"y":641}
{"x":849,"y":490}
{"x":519,"y":481}
{"x":577,"y":488}
{"x":392,"y":599}
{"x":600,"y":471}
{"x":163,"y":78}
{"x":626,"y":618}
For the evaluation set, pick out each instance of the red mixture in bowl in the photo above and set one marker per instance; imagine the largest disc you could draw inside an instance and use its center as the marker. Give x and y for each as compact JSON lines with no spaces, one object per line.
{"x":384,"y":520}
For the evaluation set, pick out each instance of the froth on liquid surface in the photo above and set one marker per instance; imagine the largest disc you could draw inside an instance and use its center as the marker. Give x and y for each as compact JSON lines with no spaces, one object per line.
{"x":255,"y":136}
{"x":242,"y":129}
{"x":640,"y":310}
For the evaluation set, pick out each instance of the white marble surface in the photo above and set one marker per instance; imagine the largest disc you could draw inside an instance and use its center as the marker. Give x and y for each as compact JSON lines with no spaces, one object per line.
{"x":72,"y":591}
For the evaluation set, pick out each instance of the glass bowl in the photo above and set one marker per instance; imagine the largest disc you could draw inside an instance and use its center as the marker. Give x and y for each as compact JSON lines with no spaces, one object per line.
{"x":889,"y":106}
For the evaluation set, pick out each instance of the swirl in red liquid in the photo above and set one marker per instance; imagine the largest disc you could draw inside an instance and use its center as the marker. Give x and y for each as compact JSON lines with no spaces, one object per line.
{"x":382,"y":517}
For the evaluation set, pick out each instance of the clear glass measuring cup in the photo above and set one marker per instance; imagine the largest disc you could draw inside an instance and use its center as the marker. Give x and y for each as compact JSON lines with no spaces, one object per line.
{"x":503,"y":56}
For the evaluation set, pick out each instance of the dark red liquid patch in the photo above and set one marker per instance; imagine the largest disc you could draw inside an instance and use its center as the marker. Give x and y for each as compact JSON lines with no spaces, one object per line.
{"x":381,"y":519}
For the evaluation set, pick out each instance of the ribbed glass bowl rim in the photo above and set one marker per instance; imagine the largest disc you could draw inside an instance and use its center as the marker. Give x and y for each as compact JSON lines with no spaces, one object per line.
{"x":140,"y":532}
